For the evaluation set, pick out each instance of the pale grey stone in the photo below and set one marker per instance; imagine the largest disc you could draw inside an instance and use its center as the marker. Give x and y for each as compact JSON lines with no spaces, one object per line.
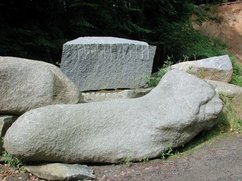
{"x":95,"y":63}
{"x":61,"y":171}
{"x":173,"y":113}
{"x":233,"y":92}
{"x":28,"y":84}
{"x":214,"y":68}
{"x":111,"y":95}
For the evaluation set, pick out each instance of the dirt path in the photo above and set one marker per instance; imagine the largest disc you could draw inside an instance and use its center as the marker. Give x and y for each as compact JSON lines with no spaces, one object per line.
{"x":218,"y":160}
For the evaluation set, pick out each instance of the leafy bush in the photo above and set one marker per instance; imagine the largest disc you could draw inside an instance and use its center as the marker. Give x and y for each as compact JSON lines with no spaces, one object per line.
{"x":233,"y":122}
{"x":155,"y":78}
{"x":237,"y":72}
{"x":205,"y":13}
{"x":168,"y":153}
{"x":197,"y":46}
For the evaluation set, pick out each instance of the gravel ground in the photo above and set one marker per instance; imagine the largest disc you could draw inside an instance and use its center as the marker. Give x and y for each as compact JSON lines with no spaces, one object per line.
{"x":9,"y":174}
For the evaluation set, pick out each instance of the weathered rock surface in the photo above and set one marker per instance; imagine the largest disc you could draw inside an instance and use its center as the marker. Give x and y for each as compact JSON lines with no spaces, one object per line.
{"x":28,"y":84}
{"x":214,"y":68}
{"x":111,"y":95}
{"x":113,"y":131}
{"x":95,"y":63}
{"x":60,"y":171}
{"x":233,"y":92}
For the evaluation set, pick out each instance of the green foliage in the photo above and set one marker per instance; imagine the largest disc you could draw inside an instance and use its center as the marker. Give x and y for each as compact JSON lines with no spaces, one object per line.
{"x":234,"y":123}
{"x":197,"y":46}
{"x":155,"y":78}
{"x":169,"y":152}
{"x":194,"y":46}
{"x":145,"y":160}
{"x":211,"y":1}
{"x":11,"y":161}
{"x":190,"y":44}
{"x":205,"y":13}
{"x":237,"y":72}
{"x":128,"y":162}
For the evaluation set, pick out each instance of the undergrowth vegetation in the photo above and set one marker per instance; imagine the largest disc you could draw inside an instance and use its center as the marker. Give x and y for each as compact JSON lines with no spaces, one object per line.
{"x":11,"y":160}
{"x":237,"y":72}
{"x":205,"y":13}
{"x":154,"y":79}
{"x":229,"y":121}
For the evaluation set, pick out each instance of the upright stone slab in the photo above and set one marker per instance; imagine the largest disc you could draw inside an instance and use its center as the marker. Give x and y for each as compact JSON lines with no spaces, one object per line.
{"x":95,"y":63}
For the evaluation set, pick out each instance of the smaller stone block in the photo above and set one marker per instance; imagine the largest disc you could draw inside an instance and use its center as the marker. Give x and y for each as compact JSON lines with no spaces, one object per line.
{"x":214,"y":68}
{"x":61,"y":171}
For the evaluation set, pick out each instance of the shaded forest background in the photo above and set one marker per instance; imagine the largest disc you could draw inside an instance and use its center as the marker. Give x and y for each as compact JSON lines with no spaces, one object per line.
{"x":37,"y":29}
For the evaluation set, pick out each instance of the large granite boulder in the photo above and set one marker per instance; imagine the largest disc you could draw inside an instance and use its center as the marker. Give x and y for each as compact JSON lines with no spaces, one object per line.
{"x":28,"y":84}
{"x":173,"y":113}
{"x":214,"y":68}
{"x":232,"y":92}
{"x":95,"y":63}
